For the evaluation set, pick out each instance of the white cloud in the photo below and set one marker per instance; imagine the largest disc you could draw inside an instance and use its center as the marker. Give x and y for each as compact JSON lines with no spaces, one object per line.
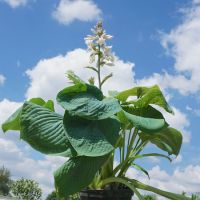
{"x":2,"y":79}
{"x":15,"y":3}
{"x":179,"y":121}
{"x":185,"y":179}
{"x":6,"y":108}
{"x":17,"y":160}
{"x":48,"y":76}
{"x":68,"y":11}
{"x":183,"y":44}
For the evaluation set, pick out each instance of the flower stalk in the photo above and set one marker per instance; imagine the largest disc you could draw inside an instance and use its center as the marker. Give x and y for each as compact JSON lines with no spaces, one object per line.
{"x":99,"y":51}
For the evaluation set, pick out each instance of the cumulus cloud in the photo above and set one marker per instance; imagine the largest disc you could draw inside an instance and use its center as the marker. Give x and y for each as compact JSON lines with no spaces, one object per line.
{"x":40,"y":170}
{"x":48,"y":76}
{"x":185,"y":179}
{"x":15,"y":3}
{"x":179,"y":121}
{"x":183,"y":44}
{"x":2,"y":79}
{"x":68,"y":11}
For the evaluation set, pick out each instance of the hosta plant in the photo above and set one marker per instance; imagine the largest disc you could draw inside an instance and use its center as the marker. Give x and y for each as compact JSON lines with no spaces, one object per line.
{"x":95,"y":127}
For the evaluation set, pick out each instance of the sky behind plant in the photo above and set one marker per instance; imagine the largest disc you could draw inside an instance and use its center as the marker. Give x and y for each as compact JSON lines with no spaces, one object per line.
{"x":155,"y":42}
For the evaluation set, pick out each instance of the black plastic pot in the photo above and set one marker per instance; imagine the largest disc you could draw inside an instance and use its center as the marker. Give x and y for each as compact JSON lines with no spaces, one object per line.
{"x":120,"y":194}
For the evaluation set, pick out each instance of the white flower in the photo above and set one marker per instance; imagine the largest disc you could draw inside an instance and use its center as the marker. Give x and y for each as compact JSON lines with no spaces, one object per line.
{"x":89,"y":39}
{"x":109,"y":63}
{"x":107,"y":37}
{"x":107,"y":50}
{"x":97,"y":42}
{"x":101,"y":41}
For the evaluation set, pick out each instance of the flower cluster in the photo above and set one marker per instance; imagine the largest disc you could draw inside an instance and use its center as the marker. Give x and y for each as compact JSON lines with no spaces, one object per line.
{"x":97,"y":45}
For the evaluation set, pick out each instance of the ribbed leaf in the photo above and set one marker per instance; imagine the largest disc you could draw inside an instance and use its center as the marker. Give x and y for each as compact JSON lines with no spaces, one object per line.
{"x":91,"y":138}
{"x":168,"y":139}
{"x":76,"y":174}
{"x":44,"y":131}
{"x":13,"y":122}
{"x":88,"y":103}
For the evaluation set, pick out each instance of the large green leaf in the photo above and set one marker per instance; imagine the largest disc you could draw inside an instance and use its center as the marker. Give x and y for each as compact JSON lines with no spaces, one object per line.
{"x":13,"y":122}
{"x":136,"y":91}
{"x":87,"y":103}
{"x":154,"y":96}
{"x":146,"y":124}
{"x":168,"y":139}
{"x":44,"y":131}
{"x":91,"y":137}
{"x":146,"y":96}
{"x":76,"y":174}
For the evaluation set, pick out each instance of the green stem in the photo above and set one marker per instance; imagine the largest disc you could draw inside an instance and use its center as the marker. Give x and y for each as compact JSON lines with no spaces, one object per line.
{"x":132,"y":142}
{"x":99,"y":67}
{"x":163,"y":193}
{"x":123,"y":147}
{"x":132,"y":155}
{"x":123,"y":167}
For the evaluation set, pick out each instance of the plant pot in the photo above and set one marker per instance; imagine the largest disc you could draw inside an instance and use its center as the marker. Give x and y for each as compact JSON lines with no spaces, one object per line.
{"x":120,"y":194}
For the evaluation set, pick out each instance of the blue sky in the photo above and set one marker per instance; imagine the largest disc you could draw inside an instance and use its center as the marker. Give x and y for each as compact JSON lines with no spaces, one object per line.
{"x":155,"y":42}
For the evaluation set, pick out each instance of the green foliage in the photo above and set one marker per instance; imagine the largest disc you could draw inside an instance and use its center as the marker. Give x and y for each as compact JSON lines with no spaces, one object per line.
{"x":80,"y":132}
{"x":43,"y":130}
{"x":52,"y":196}
{"x":195,"y":197}
{"x":76,"y":174}
{"x":168,"y":139}
{"x":87,"y":101}
{"x":26,"y":189}
{"x":145,"y":96}
{"x":95,"y":127}
{"x":149,"y":197}
{"x":13,"y":122}
{"x":5,"y":181}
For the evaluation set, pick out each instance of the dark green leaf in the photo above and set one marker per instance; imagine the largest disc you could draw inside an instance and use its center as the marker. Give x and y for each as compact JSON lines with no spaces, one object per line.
{"x":76,"y":174}
{"x":87,"y":103}
{"x":136,"y":91}
{"x":154,"y":96}
{"x":91,"y":138}
{"x":44,"y":131}
{"x":146,"y":124}
{"x":146,"y":96}
{"x":13,"y":122}
{"x":169,"y":140}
